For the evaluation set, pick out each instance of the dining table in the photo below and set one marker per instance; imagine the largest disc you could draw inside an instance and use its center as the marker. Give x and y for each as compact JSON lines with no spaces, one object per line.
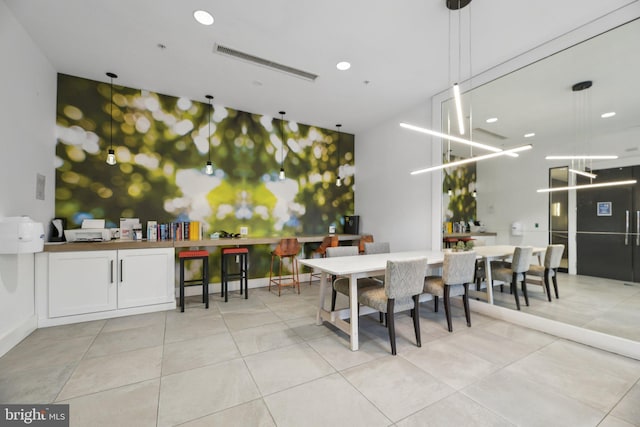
{"x":359,"y":266}
{"x":356,"y":267}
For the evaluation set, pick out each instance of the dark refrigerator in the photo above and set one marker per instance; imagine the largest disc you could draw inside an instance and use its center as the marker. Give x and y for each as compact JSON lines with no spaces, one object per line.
{"x":608,"y":226}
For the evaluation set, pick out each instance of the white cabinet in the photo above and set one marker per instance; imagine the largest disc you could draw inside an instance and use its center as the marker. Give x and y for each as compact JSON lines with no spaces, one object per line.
{"x":145,"y":277}
{"x":86,"y":282}
{"x":82,"y":282}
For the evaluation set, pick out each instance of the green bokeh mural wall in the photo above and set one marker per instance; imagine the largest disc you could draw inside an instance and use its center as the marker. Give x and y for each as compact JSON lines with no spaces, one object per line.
{"x":162,"y":144}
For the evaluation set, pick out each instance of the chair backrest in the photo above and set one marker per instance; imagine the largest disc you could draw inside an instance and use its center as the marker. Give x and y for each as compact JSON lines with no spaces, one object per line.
{"x":521,"y":259}
{"x":364,"y":239}
{"x":287,"y":247}
{"x":405,"y":278}
{"x":553,"y":257}
{"x":459,"y":267}
{"x":377,"y":248}
{"x":327,"y":242}
{"x":342,"y":251}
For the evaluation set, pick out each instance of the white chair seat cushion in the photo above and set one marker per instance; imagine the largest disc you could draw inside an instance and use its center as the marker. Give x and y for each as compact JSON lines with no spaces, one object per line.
{"x":376,"y":298}
{"x":434,"y":285}
{"x":342,"y":285}
{"x":504,"y":274}
{"x":538,"y":270}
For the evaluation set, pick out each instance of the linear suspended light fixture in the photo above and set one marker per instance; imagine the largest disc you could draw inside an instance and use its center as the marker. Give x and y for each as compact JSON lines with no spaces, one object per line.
{"x":111,"y":155}
{"x":473,"y":159}
{"x":456,"y":139}
{"x":208,"y":169}
{"x":458,"y":101}
{"x":583,"y":173}
{"x":594,"y":157}
{"x":580,"y":187}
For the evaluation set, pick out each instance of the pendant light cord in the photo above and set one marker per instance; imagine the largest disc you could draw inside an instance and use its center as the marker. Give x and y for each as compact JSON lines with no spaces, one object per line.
{"x":111,"y":116}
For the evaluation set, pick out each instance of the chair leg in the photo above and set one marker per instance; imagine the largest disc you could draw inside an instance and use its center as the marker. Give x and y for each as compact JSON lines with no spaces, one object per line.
{"x":501,"y":288}
{"x":465,"y":302}
{"x":546,"y":283}
{"x":514,"y":289}
{"x":334,"y":294}
{"x":182,"y":285}
{"x":271,"y":272}
{"x":524,"y":289}
{"x":205,"y":282}
{"x":391,"y":325}
{"x":416,"y":319}
{"x":381,"y":315}
{"x":280,"y":276}
{"x":435,"y":304}
{"x":447,"y":308}
{"x":245,"y":275}
{"x":555,"y":282}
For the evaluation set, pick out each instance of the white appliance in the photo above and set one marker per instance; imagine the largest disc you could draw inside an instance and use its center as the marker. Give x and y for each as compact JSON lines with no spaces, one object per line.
{"x":92,"y":231}
{"x":21,"y":235}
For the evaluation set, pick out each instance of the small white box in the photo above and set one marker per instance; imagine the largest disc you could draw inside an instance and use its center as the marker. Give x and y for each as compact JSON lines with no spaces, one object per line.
{"x":244,"y":231}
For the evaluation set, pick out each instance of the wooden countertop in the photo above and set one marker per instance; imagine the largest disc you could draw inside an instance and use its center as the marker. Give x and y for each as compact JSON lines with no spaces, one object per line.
{"x":131,"y":244}
{"x":472,"y":234}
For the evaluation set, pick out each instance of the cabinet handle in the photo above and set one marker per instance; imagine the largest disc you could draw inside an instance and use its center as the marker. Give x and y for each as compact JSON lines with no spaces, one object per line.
{"x":111,"y":271}
{"x":626,"y":229}
{"x":637,"y":228}
{"x":121,"y":272}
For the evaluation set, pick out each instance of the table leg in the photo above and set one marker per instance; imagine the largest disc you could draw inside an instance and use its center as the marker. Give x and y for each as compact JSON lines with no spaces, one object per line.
{"x":353,"y":305}
{"x":323,"y":292}
{"x":489,"y":279}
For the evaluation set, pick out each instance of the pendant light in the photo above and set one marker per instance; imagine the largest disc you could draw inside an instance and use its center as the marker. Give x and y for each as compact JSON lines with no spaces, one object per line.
{"x":338,"y":179}
{"x":457,"y":5}
{"x":111,"y":155}
{"x":582,"y":113}
{"x":208,"y":169}
{"x":282,"y":175}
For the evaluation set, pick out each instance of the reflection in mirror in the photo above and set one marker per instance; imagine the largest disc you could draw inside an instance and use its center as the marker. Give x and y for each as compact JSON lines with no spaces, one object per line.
{"x":559,"y":213}
{"x":536,"y":105}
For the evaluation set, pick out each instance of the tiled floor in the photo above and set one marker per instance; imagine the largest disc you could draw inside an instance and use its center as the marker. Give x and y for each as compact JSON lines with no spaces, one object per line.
{"x":264,"y":362}
{"x":602,"y":305}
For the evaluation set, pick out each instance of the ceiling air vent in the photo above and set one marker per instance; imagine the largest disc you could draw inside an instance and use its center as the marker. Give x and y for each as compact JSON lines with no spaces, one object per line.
{"x":489,"y":133}
{"x":264,"y":62}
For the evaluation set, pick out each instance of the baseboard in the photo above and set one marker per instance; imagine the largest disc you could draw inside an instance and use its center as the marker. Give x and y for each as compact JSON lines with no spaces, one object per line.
{"x":610,"y":343}
{"x":11,"y":338}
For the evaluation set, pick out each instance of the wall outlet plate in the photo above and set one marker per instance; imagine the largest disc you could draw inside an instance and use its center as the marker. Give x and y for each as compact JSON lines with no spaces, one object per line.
{"x":244,"y":231}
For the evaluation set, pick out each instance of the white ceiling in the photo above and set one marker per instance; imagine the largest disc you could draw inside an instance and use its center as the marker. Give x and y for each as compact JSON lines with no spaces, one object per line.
{"x":399,"y":47}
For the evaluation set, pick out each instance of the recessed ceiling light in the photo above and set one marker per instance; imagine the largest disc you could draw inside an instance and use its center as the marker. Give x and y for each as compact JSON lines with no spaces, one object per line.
{"x":492,"y":120}
{"x":203,"y":17}
{"x":529,"y":135}
{"x":343,"y":65}
{"x":609,"y":114}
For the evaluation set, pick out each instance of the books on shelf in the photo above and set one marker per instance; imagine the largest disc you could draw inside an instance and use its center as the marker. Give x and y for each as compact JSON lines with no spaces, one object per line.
{"x":185,"y":230}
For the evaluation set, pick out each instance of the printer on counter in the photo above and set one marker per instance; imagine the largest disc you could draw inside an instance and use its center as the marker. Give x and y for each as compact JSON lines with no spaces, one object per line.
{"x":92,"y":230}
{"x":21,"y":235}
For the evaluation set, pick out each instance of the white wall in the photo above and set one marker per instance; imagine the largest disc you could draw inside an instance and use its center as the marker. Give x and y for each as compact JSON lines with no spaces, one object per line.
{"x":393,"y":205}
{"x":27,"y":120}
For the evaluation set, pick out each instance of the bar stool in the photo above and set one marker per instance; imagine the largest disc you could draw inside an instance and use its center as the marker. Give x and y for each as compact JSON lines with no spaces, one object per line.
{"x":449,"y":241}
{"x":328,"y":242}
{"x":365,"y":238}
{"x":242,"y":274}
{"x":203,"y":281}
{"x":286,"y":248}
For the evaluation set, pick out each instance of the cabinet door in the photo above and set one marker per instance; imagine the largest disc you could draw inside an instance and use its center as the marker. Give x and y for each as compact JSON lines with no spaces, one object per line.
{"x":82,"y":282}
{"x":145,"y":277}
